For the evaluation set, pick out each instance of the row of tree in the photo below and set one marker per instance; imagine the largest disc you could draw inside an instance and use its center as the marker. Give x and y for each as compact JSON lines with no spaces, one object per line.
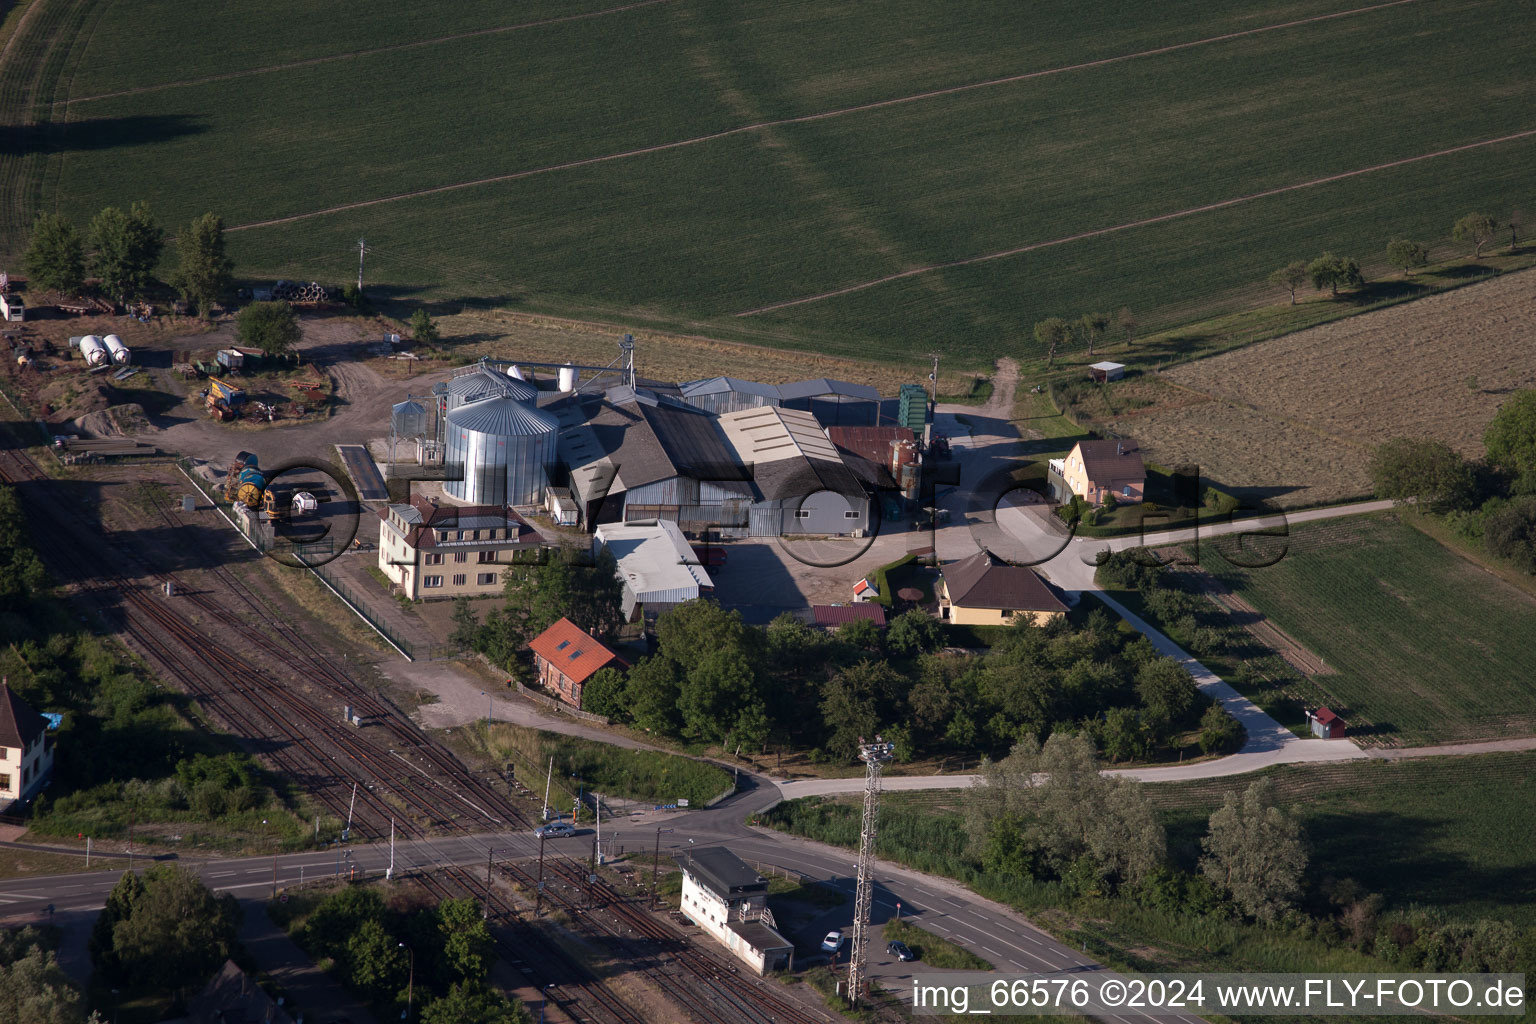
{"x":1335,"y":272}
{"x":439,"y":957}
{"x":1087,"y":330}
{"x":123,"y":250}
{"x":33,"y":987}
{"x":1493,"y":499}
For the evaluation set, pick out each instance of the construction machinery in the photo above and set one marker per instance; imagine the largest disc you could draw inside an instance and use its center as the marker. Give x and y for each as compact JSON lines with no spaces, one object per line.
{"x":283,"y":503}
{"x":224,"y":399}
{"x":237,"y":465}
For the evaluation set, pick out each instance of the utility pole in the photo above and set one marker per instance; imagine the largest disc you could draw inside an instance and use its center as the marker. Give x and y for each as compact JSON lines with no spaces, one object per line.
{"x":656,"y":866}
{"x":488,"y":855}
{"x":274,"y":876}
{"x":538,"y":900}
{"x":549,"y":777}
{"x":934,"y":376}
{"x":347,"y":832}
{"x":874,"y":755}
{"x":362,"y":247}
{"x":391,"y":872}
{"x":597,"y":844}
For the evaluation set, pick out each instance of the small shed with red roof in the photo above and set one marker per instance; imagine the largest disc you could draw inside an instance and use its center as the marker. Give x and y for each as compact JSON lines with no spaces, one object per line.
{"x":834,"y":616}
{"x":1327,"y":725}
{"x":566,"y":656}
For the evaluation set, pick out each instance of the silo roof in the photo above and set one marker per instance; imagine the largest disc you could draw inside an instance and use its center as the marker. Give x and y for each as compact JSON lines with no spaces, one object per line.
{"x":504,"y":417}
{"x":488,"y":383}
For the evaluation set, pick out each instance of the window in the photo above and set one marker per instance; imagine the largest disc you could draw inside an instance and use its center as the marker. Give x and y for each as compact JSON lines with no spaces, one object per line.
{"x":460,"y":556}
{"x":487,"y":556}
{"x":562,"y":645}
{"x":850,"y":514}
{"x":442,"y":534}
{"x":474,"y":535}
{"x":486,"y":579}
{"x":431,"y":581}
{"x":458,"y":579}
{"x":461,"y":535}
{"x":433,"y":559}
{"x":1127,"y":490}
{"x":5,"y":781}
{"x":802,"y":513}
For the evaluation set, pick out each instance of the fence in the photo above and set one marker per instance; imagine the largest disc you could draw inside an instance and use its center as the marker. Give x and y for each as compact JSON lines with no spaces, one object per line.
{"x":359,"y":605}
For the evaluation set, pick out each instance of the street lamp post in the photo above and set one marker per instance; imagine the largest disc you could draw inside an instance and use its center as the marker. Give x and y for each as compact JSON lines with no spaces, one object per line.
{"x":410,"y":983}
{"x":545,"y":1001}
{"x":656,"y":866}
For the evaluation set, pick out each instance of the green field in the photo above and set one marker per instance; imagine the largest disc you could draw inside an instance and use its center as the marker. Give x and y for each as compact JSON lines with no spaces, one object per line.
{"x":1427,"y":647}
{"x":270,"y":110}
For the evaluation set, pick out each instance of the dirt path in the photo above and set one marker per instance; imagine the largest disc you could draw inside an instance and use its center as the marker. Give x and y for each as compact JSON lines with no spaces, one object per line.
{"x":1146,"y":222}
{"x":861,"y":108}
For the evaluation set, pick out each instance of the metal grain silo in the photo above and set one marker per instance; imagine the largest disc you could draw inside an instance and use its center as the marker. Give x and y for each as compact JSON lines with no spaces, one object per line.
{"x":498,"y":452}
{"x":408,"y":420}
{"x":472,"y":387}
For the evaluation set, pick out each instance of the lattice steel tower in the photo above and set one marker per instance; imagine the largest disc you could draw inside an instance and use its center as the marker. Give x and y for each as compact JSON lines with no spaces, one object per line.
{"x":874,"y":755}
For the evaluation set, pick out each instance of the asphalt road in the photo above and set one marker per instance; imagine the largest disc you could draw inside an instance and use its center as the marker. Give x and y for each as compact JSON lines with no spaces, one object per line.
{"x":991,"y":930}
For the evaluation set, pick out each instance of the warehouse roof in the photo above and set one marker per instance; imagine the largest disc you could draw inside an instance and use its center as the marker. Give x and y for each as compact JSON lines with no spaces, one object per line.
{"x":572,"y":650}
{"x":981,"y":582}
{"x":19,"y":724}
{"x":822,"y":386}
{"x":788,"y":452}
{"x":721,"y":385}
{"x":654,"y":558}
{"x":629,"y":439}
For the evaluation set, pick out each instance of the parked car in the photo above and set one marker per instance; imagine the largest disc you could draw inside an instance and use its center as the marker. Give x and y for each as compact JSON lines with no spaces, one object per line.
{"x":555,"y":830}
{"x":833,"y":942}
{"x":900,"y":951}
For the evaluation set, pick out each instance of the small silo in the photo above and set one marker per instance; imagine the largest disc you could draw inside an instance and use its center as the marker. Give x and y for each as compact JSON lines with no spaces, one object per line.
{"x":93,"y":351}
{"x":569,"y":377}
{"x":119,"y":351}
{"x":408,"y":420}
{"x":498,"y":452}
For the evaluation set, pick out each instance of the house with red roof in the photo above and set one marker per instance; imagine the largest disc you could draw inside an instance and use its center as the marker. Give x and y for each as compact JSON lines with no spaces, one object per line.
{"x":566,"y":656}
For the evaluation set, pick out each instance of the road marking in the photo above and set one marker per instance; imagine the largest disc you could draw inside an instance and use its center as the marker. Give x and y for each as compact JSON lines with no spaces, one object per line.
{"x":222,"y":874}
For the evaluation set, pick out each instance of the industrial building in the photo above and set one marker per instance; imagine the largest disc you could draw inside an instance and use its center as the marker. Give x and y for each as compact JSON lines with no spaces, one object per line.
{"x":802,"y":484}
{"x":430,"y":550}
{"x":498,"y":451}
{"x":728,"y":394}
{"x":659,"y":569}
{"x":26,"y":757}
{"x":834,"y":403}
{"x":565,"y":656}
{"x":725,"y":897}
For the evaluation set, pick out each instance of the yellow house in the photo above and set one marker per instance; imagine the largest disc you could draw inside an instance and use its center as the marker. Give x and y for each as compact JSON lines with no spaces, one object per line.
{"x":429,"y":551}
{"x":979,"y":591}
{"x":1093,"y":470}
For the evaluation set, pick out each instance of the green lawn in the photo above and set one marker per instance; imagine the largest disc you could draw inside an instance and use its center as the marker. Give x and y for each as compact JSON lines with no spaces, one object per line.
{"x":1427,"y":647}
{"x":687,"y":237}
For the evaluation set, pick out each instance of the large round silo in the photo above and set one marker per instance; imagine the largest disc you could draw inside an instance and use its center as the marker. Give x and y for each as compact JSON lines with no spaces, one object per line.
{"x":498,"y":452}
{"x":482,"y":384}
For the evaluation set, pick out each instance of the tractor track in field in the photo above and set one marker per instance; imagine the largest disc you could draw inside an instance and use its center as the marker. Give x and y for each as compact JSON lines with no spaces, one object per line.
{"x":372,"y":51}
{"x":818,"y":116}
{"x":1144,"y":222}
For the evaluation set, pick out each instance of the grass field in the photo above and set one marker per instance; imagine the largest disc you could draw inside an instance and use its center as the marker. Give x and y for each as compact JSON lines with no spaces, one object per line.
{"x":1427,"y":647}
{"x":294,"y":112}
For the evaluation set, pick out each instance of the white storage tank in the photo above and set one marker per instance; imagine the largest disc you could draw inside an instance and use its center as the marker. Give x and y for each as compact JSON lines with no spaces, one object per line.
{"x":119,"y":351}
{"x":498,"y":452}
{"x":568,"y":377}
{"x":93,"y":351}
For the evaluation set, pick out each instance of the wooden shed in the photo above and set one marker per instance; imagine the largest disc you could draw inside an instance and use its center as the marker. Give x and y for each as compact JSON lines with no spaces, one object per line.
{"x":1327,"y":725}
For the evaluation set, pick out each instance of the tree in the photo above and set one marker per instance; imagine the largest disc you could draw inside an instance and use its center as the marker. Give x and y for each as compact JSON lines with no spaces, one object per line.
{"x":1065,"y":809}
{"x":1290,"y":277}
{"x":1406,"y":255}
{"x":466,"y":626}
{"x":1051,"y":332}
{"x":1219,"y":731}
{"x":1127,"y":322}
{"x":272,"y":327}
{"x":1477,"y":228}
{"x":606,"y":694}
{"x":474,"y":1001}
{"x":55,"y":258}
{"x":203,"y":271}
{"x":176,"y":932}
{"x":127,"y":248}
{"x":655,"y":684}
{"x":860,"y":635}
{"x":718,"y":688}
{"x":1334,"y":272}
{"x":1123,"y":734}
{"x":1091,"y":327}
{"x":1255,"y":852}
{"x":1510,"y":439}
{"x":1168,"y":694}
{"x":1510,"y":532}
{"x":33,"y":988}
{"x":423,"y":330}
{"x":914,"y":632}
{"x":375,"y":963}
{"x":856,"y":702}
{"x":574,"y":585}
{"x":1431,"y":473}
{"x":466,"y":938}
